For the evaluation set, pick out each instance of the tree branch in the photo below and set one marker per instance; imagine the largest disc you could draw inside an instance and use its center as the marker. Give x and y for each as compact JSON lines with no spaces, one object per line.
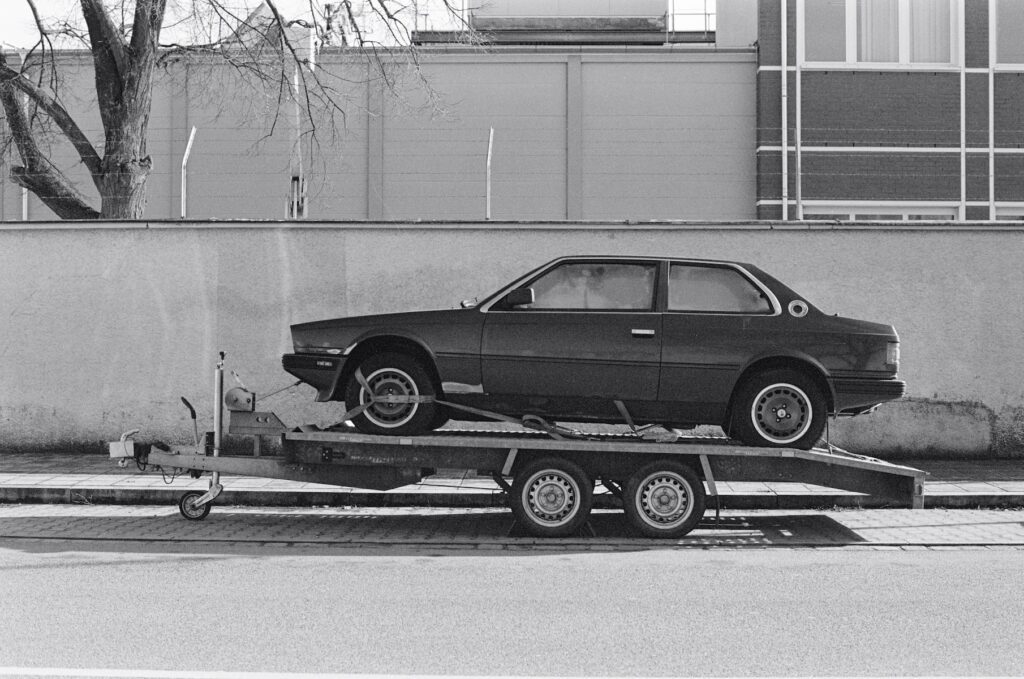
{"x":109,"y":60}
{"x":39,"y":175}
{"x":149,"y":15}
{"x":9,"y":78}
{"x":105,"y":37}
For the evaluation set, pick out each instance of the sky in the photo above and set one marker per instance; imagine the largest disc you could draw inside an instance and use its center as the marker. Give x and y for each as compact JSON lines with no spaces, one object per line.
{"x":17,"y":27}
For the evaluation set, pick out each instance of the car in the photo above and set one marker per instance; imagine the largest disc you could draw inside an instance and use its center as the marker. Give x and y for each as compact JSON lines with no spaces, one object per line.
{"x":638,"y":340}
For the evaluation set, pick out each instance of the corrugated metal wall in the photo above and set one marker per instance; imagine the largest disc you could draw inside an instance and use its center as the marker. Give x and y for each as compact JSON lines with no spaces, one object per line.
{"x":614,"y":133}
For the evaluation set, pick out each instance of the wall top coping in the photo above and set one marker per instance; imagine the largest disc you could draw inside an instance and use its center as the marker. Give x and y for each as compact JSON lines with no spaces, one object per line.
{"x":666,"y":225}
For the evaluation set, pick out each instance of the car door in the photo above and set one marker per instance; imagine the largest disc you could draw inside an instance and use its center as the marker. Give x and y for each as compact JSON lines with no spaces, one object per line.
{"x":591,"y":332}
{"x":716,"y":318}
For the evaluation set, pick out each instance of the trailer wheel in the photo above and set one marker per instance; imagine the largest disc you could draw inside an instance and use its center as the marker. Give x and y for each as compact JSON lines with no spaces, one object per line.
{"x":779,"y":408}
{"x":190,"y":510}
{"x":393,"y":374}
{"x":664,"y":499}
{"x":552,"y":497}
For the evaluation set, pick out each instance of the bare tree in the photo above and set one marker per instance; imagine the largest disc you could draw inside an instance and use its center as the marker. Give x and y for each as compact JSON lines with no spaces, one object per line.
{"x":124,"y":39}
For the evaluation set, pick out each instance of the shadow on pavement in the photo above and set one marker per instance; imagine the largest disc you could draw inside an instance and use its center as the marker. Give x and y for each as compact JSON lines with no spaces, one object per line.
{"x":469,"y":530}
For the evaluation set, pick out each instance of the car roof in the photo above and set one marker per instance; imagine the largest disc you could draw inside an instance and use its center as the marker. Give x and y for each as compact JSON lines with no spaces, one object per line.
{"x":650,"y":258}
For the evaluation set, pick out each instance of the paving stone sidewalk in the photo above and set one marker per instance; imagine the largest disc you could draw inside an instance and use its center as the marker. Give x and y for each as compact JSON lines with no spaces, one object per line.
{"x":493,"y":529}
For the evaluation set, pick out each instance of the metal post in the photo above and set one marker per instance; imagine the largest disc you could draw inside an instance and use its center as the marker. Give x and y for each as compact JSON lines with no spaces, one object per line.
{"x":218,"y":415}
{"x":184,"y":172}
{"x":783,"y":58}
{"x":490,"y":148}
{"x":215,"y":488}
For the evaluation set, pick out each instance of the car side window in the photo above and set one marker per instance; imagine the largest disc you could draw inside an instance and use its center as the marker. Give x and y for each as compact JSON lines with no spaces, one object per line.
{"x":714,"y":289}
{"x":596,"y":286}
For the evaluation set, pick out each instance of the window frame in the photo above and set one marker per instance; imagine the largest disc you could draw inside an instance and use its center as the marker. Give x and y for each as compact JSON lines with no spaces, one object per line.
{"x":774,"y":307}
{"x":903,"y":63}
{"x":498,"y":304}
{"x":847,"y":211}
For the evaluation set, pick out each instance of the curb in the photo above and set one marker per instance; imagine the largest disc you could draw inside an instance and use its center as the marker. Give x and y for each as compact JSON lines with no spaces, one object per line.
{"x":481,"y":498}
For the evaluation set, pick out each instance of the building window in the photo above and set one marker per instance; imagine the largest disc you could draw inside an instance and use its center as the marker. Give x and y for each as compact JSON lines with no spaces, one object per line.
{"x":1010,"y":213}
{"x":1009,"y":29}
{"x":878,"y":35}
{"x":897,"y":32}
{"x":878,"y":213}
{"x":825,"y":31}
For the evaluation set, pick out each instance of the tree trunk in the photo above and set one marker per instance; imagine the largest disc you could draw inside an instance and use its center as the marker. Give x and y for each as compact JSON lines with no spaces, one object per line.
{"x":123,"y":188}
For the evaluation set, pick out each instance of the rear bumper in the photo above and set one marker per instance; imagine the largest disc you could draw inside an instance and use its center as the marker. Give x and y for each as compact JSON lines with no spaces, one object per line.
{"x":855,"y":395}
{"x":320,"y":372}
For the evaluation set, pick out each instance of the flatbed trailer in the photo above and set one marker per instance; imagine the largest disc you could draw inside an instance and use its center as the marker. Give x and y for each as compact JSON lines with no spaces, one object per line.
{"x":662,"y":477}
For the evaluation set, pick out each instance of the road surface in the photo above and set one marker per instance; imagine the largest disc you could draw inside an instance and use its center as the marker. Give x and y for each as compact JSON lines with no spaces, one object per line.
{"x":190,"y":608}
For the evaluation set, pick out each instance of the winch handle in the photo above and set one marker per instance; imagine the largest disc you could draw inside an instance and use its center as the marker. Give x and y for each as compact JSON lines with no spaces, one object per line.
{"x":191,"y":410}
{"x":195,"y":424}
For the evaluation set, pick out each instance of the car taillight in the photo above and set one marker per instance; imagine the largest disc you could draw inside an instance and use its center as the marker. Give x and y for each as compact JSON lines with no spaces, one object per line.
{"x":892,"y":355}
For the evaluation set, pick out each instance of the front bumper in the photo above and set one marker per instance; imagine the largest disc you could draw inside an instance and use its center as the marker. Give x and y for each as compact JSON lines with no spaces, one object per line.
{"x":320,"y":372}
{"x":857,"y":395}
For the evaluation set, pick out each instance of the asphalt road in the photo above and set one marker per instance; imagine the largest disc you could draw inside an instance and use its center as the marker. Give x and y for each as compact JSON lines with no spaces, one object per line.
{"x":193,"y":608}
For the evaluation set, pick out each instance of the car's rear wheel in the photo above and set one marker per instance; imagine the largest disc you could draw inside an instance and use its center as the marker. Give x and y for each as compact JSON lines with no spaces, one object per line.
{"x":779,"y":408}
{"x":401,"y":378}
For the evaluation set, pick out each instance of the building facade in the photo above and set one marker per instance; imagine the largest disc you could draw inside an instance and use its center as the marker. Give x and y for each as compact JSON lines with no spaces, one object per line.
{"x":890,"y":109}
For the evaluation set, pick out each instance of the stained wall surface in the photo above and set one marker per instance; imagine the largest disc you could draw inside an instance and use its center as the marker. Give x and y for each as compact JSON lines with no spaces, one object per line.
{"x":106,"y":325}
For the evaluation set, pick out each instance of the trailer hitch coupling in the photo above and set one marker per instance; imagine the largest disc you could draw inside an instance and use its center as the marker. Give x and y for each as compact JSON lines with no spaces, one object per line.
{"x":123,"y":449}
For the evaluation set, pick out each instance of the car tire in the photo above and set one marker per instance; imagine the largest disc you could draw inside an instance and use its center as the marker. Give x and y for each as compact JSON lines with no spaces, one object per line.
{"x":552,"y":497}
{"x":779,"y":408}
{"x":393,"y":373}
{"x":663,"y":499}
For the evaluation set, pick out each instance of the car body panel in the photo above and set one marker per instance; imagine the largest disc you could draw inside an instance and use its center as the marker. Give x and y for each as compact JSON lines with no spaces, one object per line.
{"x":608,"y":355}
{"x":678,"y":367}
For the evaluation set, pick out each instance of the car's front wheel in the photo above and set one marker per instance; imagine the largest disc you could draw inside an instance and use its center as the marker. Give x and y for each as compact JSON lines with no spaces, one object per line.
{"x":390,"y":387}
{"x":779,"y":408}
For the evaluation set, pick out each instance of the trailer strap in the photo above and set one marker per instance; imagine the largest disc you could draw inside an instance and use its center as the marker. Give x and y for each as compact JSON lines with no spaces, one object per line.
{"x":535,"y":422}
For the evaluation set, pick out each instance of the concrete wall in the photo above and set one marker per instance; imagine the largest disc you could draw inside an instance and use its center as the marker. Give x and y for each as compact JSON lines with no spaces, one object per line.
{"x":106,"y":325}
{"x":579,"y":133}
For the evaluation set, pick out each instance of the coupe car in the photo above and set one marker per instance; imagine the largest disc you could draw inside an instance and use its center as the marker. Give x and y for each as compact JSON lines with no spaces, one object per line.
{"x":676,"y":342}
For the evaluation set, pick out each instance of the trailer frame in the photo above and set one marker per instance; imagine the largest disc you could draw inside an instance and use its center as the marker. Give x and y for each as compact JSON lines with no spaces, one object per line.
{"x":663,"y":477}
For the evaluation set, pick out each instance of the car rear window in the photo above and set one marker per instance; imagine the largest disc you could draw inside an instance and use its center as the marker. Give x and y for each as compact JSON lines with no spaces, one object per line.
{"x":714,"y":289}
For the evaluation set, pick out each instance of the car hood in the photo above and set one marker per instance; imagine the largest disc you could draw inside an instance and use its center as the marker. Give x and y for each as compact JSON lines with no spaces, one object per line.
{"x":339,"y":333}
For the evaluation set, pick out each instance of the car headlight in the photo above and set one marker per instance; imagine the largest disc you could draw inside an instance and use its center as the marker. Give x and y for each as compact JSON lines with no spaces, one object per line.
{"x":325,"y":351}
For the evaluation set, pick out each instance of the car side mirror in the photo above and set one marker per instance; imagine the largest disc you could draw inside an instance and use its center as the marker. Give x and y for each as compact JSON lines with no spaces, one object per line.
{"x":519,"y":297}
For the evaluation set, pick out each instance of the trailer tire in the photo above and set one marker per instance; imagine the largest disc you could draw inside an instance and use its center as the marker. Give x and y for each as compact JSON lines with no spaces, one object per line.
{"x":552,"y":497}
{"x":187,"y":506}
{"x":758,"y":401}
{"x":664,"y":499}
{"x":399,"y":374}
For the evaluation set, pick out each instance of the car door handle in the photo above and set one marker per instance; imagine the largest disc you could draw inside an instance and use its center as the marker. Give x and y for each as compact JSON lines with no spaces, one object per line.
{"x":642,"y":332}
